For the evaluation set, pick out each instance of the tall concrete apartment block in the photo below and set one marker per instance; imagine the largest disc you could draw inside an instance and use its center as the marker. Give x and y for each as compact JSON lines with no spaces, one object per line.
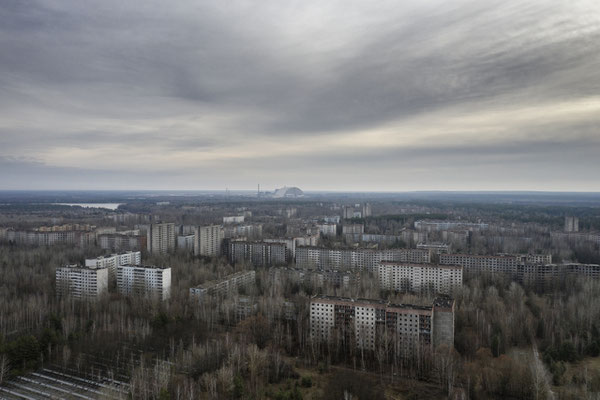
{"x":361,"y":321}
{"x":360,"y":259}
{"x":208,"y":241}
{"x":404,"y":277}
{"x":113,"y":261}
{"x":86,"y":283}
{"x":571,"y":224}
{"x":144,"y":281}
{"x":162,"y":238}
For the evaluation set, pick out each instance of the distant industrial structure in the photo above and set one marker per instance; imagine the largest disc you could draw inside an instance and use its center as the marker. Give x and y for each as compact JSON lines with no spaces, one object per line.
{"x":288,"y":192}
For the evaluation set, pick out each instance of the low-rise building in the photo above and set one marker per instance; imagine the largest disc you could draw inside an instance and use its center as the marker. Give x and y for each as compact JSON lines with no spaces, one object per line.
{"x":225,"y":285}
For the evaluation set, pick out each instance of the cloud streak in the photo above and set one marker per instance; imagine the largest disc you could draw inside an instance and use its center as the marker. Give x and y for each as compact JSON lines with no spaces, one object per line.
{"x":300,"y":93}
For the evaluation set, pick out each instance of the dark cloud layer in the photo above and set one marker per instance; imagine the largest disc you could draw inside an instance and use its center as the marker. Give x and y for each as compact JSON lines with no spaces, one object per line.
{"x":102,"y":93}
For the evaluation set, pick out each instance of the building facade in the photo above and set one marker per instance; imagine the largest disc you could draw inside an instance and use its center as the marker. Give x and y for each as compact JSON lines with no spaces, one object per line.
{"x":359,"y":259}
{"x":259,"y":254}
{"x":186,"y":242}
{"x":121,"y":241}
{"x":405,"y":277}
{"x":162,"y":238}
{"x":113,"y":261}
{"x":222,"y":287}
{"x":86,"y":283}
{"x":144,"y":281}
{"x":360,"y":322}
{"x":435,"y":248}
{"x":432,"y":226}
{"x":209,"y":240}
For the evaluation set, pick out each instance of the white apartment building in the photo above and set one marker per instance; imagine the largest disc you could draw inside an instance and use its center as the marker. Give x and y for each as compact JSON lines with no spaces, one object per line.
{"x":208,"y":241}
{"x":113,"y":261}
{"x":443,"y":279}
{"x":161,"y":238}
{"x":144,"y":281}
{"x":81,"y":282}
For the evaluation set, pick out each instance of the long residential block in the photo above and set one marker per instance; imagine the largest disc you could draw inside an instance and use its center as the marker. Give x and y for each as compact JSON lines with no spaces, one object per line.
{"x":406,"y":277}
{"x":358,"y":259}
{"x":225,"y":285}
{"x":259,"y":254}
{"x":363,"y":321}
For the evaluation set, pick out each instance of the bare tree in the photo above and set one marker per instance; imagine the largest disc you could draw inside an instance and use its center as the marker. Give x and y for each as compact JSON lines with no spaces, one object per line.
{"x":4,"y":368}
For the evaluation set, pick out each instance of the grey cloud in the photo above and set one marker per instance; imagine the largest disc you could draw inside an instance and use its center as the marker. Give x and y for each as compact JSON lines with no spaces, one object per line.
{"x":126,"y":61}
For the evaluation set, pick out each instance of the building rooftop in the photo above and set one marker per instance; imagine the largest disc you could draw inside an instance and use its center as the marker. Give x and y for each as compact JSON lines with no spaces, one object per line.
{"x":421,"y":265}
{"x":144,"y":266}
{"x":442,"y":301}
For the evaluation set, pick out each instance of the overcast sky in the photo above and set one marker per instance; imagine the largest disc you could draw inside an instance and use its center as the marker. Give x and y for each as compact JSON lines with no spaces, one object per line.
{"x":324,"y":95}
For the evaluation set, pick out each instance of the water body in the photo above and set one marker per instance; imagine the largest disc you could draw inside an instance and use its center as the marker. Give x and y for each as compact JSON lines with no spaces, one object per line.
{"x":109,"y":206}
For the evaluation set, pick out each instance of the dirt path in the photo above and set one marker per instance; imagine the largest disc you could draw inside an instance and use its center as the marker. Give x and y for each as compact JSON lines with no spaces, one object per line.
{"x":543,"y":372}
